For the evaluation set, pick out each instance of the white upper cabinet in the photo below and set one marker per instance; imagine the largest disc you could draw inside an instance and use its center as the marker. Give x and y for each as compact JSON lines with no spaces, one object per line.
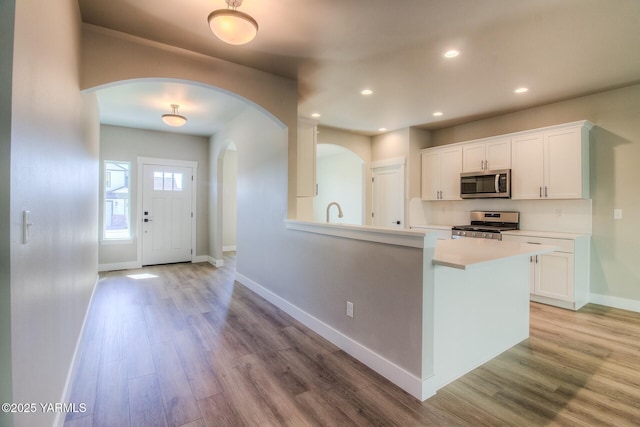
{"x":493,"y":154}
{"x":441,"y":168}
{"x":551,"y":164}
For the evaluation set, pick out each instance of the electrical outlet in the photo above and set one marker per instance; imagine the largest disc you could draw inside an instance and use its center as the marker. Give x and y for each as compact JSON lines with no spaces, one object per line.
{"x":350,"y":309}
{"x":617,"y":214}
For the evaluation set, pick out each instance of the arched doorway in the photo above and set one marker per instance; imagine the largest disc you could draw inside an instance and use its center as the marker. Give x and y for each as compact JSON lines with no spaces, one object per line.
{"x":340,"y":178}
{"x":140,"y":104}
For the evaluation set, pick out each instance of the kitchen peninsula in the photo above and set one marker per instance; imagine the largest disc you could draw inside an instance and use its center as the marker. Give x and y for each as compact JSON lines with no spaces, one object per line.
{"x":424,"y":311}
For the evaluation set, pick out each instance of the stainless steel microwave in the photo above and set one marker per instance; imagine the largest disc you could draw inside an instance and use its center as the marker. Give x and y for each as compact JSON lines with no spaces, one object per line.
{"x":490,"y":184}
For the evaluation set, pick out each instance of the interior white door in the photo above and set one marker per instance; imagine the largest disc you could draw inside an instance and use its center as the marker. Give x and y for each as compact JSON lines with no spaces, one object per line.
{"x":388,"y":196}
{"x":166,"y":214}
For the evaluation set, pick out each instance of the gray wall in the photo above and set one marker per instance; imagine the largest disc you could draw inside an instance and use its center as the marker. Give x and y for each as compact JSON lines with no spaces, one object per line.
{"x":109,"y":57}
{"x":7,"y":13}
{"x":230,"y":198}
{"x":54,"y":173}
{"x":615,"y":152}
{"x":127,"y":144}
{"x":319,"y":273}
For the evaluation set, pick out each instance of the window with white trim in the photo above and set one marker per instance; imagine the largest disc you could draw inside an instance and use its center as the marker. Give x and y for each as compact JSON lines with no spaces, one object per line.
{"x":117,"y":201}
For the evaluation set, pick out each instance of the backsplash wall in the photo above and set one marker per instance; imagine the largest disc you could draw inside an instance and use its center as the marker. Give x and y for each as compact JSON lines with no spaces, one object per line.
{"x":571,"y":216}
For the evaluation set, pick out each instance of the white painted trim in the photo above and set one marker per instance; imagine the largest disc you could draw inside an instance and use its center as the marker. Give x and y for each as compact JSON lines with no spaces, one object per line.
{"x":194,"y":197}
{"x":394,"y":161}
{"x":216,"y":262}
{"x":390,"y":236}
{"x":615,"y":302}
{"x":120,"y":266}
{"x":394,"y":373}
{"x":168,"y":162}
{"x":230,"y":248}
{"x":200,"y":258}
{"x":68,"y":384}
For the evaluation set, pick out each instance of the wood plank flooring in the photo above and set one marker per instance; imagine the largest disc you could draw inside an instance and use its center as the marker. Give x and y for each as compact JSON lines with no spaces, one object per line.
{"x":189,"y":347}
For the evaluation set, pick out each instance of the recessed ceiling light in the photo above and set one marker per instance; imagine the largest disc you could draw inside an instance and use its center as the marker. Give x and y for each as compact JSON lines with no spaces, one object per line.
{"x":451,"y":53}
{"x":382,"y":130}
{"x":366,"y":92}
{"x":315,"y":115}
{"x":437,"y":114}
{"x":522,"y":90}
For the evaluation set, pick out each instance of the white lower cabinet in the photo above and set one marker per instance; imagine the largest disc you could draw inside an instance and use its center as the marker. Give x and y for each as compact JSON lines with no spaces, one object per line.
{"x":559,"y":278}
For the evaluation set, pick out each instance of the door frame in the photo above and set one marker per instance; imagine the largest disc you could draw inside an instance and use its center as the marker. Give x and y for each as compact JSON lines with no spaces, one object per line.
{"x":194,"y":187}
{"x":400,"y":162}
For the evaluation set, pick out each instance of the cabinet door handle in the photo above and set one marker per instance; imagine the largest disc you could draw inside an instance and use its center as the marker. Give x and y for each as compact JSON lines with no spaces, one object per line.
{"x":541,"y":192}
{"x":545,"y":192}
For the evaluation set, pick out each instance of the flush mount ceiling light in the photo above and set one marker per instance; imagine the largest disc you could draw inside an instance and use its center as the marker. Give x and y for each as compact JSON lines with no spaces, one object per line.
{"x":451,"y":53}
{"x":521,"y":90}
{"x":232,"y":26}
{"x":366,"y":92}
{"x":437,"y":114}
{"x":174,"y":119}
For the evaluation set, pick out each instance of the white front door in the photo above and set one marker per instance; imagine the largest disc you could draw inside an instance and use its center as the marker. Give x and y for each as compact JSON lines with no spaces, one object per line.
{"x":166,"y":214}
{"x":388,"y":196}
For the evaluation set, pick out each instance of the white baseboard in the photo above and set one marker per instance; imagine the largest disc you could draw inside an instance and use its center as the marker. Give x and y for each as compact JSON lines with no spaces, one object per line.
{"x":615,"y":302}
{"x":68,"y":384}
{"x":200,"y":258}
{"x":394,"y":373}
{"x":119,"y":266}
{"x":216,"y":262}
{"x":230,"y":248}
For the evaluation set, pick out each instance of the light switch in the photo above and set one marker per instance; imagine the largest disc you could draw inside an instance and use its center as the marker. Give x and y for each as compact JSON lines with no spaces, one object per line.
{"x":617,"y":214}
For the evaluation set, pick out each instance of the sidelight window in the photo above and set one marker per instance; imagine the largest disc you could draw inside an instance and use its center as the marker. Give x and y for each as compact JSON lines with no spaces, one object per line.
{"x":117,"y":201}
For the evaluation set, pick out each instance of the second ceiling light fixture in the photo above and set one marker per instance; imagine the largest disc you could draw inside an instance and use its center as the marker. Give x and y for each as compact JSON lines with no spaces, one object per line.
{"x":232,"y":26}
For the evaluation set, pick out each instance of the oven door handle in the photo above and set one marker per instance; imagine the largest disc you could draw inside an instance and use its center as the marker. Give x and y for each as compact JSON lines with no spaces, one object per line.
{"x":497,"y":183}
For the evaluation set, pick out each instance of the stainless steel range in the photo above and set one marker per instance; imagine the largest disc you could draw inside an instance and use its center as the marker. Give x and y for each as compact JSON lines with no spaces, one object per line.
{"x":487,"y":225}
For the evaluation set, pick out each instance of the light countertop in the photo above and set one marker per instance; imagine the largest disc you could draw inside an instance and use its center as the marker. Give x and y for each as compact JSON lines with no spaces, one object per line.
{"x":466,"y":253}
{"x":437,"y":227}
{"x":547,"y":234}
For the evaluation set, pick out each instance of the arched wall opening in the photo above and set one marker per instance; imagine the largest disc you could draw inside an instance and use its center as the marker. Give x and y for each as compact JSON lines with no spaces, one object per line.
{"x":251,"y":130}
{"x":109,"y":56}
{"x":340,"y":178}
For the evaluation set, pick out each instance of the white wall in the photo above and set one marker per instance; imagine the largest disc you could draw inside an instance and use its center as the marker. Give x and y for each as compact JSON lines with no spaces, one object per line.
{"x":340,"y":178}
{"x":127,"y":144}
{"x":54,"y":174}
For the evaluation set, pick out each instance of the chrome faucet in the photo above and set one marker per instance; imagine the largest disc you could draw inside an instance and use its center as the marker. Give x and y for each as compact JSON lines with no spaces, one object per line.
{"x":339,"y":210}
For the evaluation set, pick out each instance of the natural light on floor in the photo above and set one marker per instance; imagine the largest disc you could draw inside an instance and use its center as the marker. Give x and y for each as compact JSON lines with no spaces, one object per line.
{"x":141,"y":276}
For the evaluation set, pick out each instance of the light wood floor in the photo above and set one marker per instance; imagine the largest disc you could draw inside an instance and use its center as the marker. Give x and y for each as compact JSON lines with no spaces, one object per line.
{"x":190,"y":348}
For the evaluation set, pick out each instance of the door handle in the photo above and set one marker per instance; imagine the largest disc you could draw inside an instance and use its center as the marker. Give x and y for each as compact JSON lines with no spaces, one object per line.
{"x":147,"y":220}
{"x":396,"y":222}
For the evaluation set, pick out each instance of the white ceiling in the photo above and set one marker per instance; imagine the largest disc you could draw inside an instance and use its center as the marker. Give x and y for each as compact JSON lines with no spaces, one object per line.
{"x":558,"y":48}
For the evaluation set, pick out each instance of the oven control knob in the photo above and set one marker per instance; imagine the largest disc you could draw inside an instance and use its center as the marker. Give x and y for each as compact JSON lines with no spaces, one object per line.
{"x":464,"y":233}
